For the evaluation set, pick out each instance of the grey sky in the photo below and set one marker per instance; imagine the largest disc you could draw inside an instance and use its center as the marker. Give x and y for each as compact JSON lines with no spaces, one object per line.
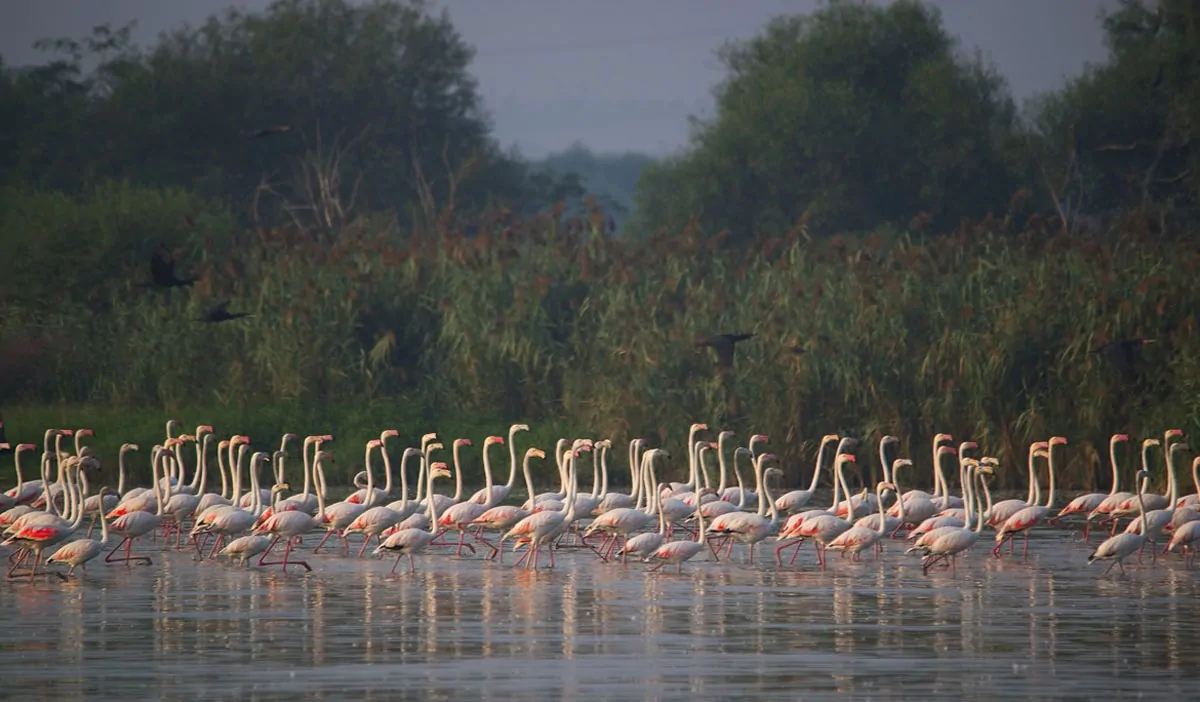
{"x":620,"y":74}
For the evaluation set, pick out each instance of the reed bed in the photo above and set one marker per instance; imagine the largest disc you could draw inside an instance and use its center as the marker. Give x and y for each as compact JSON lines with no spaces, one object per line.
{"x":985,"y":333}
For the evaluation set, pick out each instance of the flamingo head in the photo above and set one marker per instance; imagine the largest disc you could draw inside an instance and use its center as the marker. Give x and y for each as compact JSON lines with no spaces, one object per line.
{"x":66,"y":432}
{"x":535,"y":453}
{"x":1056,"y":440}
{"x":1146,"y":443}
{"x":1120,"y":437}
{"x":947,"y":450}
{"x":410,"y":451}
{"x":90,"y":432}
{"x":430,"y":448}
{"x":760,"y":437}
{"x":325,"y":437}
{"x":726,"y":434}
{"x":374,"y":444}
{"x":901,"y":463}
{"x":1173,"y":433}
{"x":494,"y":440}
{"x":431,"y":436}
{"x":846,"y":457}
{"x":26,"y":447}
{"x":1142,"y":475}
{"x":516,"y":428}
{"x":325,"y":457}
{"x":221,"y":445}
{"x":889,"y":439}
{"x":462,"y":442}
{"x":280,"y":487}
{"x":388,"y":434}
{"x":713,"y":445}
{"x":941,"y":438}
{"x":440,"y":470}
{"x":208,"y":429}
{"x":971,"y":445}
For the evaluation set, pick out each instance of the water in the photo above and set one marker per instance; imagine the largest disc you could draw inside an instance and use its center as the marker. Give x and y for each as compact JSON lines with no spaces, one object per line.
{"x":999,"y":629}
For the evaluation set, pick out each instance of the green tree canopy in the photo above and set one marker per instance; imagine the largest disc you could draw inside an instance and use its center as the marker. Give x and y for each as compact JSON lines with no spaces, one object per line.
{"x":382,"y":111}
{"x":1123,"y":134}
{"x":850,"y":116}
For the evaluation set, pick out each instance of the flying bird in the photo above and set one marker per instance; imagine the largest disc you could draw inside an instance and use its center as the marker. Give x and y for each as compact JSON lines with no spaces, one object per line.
{"x":1123,"y":355}
{"x":723,"y":344}
{"x":268,"y":131}
{"x":220,"y":313}
{"x":162,"y":271}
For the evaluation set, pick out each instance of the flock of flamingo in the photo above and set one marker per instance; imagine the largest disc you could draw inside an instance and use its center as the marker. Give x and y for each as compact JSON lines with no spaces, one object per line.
{"x":246,"y":520}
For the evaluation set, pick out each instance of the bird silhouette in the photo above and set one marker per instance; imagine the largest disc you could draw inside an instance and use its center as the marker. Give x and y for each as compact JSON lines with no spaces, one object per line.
{"x":220,"y":313}
{"x":723,"y":344}
{"x":1123,"y":355}
{"x":268,"y":131}
{"x":162,"y":271}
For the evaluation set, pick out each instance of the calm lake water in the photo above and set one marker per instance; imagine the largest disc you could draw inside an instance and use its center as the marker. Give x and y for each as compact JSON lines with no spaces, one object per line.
{"x":999,"y":629}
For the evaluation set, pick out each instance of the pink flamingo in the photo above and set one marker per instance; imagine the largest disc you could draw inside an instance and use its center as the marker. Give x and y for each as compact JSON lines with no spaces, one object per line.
{"x":408,"y":542}
{"x":1086,"y":504}
{"x":291,"y":525}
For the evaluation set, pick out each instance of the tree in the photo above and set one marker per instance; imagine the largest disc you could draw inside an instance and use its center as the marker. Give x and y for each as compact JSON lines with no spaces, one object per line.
{"x":850,"y":116}
{"x":1123,"y":134}
{"x":363,"y":106}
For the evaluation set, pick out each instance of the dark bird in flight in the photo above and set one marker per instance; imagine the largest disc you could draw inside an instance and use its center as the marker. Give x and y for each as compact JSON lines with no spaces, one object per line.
{"x":162,"y":271}
{"x":220,"y":313}
{"x":1123,"y":355}
{"x":268,"y":131}
{"x":723,"y":344}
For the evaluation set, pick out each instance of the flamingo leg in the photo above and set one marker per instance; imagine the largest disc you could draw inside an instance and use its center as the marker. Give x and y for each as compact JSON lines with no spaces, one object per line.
{"x":328,"y":533}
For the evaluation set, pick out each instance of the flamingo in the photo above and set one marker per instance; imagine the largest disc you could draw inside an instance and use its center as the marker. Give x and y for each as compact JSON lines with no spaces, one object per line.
{"x":858,"y":538}
{"x":227,"y":520}
{"x":795,"y":499}
{"x":644,"y":545}
{"x":457,"y":516}
{"x":293,"y":524}
{"x":678,"y":552}
{"x":493,"y":495}
{"x":1002,"y":510}
{"x":1158,"y":519}
{"x":339,"y":515}
{"x":35,"y":537}
{"x":824,"y":528}
{"x":77,"y":553}
{"x":1029,"y":517}
{"x":1128,"y":505}
{"x":25,"y":491}
{"x":540,"y":528}
{"x":501,"y":518}
{"x":753,"y":528}
{"x":614,"y":500}
{"x":131,"y":525}
{"x":373,"y":522}
{"x":1184,"y":538}
{"x":408,"y":542}
{"x":623,"y":521}
{"x":948,"y":542}
{"x":1087,"y":503}
{"x":1118,"y":548}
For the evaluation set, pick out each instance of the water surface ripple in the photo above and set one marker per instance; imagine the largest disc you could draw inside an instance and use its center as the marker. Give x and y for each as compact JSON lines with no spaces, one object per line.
{"x":998,"y":629}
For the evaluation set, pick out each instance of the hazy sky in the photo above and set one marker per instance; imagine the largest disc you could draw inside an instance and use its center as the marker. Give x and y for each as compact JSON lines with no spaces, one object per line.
{"x":619,"y":74}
